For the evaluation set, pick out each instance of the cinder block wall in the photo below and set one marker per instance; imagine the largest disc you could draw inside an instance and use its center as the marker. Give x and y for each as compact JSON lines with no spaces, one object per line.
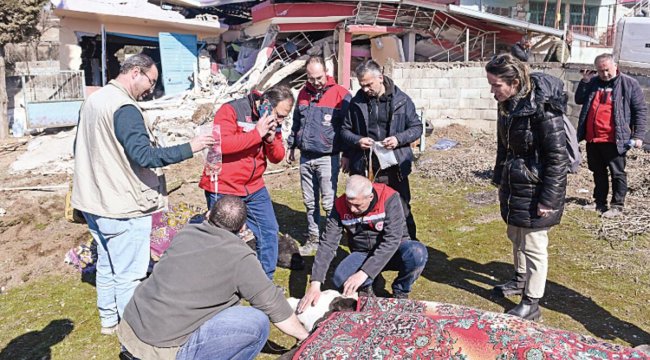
{"x":458,"y":93}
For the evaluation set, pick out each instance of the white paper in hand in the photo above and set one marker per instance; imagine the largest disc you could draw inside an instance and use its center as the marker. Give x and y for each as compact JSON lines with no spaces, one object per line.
{"x":385,"y":156}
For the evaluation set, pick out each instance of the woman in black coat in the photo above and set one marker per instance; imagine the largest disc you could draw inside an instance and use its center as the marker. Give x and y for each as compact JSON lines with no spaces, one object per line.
{"x":530,"y":171}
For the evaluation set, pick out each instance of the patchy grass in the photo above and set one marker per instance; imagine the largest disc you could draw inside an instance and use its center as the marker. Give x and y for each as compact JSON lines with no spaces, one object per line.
{"x":593,"y":288}
{"x":53,"y":317}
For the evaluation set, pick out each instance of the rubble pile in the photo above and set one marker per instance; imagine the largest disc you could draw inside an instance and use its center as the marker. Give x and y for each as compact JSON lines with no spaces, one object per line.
{"x":469,"y":162}
{"x":175,"y":118}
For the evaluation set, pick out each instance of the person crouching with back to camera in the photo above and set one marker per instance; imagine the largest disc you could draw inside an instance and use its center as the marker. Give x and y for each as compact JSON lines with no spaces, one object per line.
{"x":530,"y":171}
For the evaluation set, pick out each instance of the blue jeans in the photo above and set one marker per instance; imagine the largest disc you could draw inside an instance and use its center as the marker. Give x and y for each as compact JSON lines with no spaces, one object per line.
{"x":260,"y":218}
{"x":238,"y":332}
{"x":318,"y":176}
{"x":409,"y":261}
{"x":122,"y":261}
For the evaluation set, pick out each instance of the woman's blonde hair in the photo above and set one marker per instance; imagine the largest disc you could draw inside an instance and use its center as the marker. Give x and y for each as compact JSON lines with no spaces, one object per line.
{"x":508,"y":68}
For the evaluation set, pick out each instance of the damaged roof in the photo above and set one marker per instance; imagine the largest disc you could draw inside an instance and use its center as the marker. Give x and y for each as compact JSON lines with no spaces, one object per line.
{"x":138,"y":12}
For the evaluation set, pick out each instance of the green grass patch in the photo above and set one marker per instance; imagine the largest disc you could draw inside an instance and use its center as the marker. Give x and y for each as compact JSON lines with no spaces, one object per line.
{"x":593,"y":288}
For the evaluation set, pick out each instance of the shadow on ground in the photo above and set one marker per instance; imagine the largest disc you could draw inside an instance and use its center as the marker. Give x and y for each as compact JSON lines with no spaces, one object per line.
{"x":37,"y":344}
{"x":464,"y":273}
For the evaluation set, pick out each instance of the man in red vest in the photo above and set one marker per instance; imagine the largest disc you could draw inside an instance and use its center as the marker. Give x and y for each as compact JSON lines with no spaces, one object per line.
{"x":612,"y":120}
{"x":372,"y":216}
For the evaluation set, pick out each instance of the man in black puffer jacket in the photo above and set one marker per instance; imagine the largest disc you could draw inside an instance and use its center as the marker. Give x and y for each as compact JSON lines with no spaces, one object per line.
{"x":530,"y":170}
{"x":381,"y":113}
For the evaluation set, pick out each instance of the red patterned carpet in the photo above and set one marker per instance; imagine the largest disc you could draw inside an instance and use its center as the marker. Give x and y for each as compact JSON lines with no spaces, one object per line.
{"x":406,"y":329}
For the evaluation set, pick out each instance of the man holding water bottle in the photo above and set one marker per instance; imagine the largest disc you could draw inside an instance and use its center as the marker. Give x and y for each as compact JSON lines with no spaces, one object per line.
{"x":250,"y":134}
{"x":612,"y":121}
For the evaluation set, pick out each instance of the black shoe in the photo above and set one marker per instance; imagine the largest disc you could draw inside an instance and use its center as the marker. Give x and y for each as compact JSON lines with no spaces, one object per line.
{"x":527,"y":309}
{"x":513,"y":287}
{"x":366,"y":291}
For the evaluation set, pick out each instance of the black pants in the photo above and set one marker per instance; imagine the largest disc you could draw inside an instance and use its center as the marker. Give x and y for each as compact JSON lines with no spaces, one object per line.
{"x":600,"y":158}
{"x":393,"y":178}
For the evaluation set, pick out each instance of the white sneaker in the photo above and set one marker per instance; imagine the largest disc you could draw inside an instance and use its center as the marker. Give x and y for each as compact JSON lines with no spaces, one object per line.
{"x":612,"y":213}
{"x":109,"y":330}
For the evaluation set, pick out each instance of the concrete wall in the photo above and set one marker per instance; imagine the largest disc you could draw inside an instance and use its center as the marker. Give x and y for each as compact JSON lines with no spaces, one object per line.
{"x":458,"y":93}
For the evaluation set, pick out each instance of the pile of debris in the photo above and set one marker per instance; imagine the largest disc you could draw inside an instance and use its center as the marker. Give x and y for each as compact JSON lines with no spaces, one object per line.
{"x":470,"y":161}
{"x":175,"y":118}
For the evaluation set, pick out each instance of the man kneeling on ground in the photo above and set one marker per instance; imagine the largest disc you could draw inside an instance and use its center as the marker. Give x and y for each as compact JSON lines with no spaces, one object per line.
{"x":373,"y":217}
{"x":189,"y":307}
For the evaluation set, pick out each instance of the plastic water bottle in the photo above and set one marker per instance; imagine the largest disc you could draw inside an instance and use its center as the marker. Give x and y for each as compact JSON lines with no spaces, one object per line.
{"x":630,"y":143}
{"x":213,"y":159}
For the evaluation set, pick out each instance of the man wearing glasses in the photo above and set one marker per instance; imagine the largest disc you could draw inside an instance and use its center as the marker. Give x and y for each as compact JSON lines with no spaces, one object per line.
{"x":317,"y":119}
{"x":118,"y":182}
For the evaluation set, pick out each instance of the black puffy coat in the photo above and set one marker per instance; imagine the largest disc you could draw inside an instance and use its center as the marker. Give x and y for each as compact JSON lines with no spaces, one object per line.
{"x":531,"y":163}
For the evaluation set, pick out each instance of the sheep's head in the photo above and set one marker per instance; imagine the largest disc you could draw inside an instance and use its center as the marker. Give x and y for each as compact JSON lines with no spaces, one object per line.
{"x":329,"y":301}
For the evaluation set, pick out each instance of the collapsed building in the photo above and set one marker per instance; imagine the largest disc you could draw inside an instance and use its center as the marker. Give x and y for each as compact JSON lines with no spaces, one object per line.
{"x":212,"y":51}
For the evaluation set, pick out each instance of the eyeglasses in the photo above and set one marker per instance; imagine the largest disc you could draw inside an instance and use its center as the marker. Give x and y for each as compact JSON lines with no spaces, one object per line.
{"x":151,"y":82}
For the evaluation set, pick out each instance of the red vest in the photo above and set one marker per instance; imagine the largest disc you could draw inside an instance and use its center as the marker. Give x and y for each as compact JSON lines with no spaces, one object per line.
{"x":600,"y":118}
{"x":373,"y":219}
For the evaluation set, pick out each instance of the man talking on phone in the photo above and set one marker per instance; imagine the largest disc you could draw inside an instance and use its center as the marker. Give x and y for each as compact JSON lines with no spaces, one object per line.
{"x":249,"y":136}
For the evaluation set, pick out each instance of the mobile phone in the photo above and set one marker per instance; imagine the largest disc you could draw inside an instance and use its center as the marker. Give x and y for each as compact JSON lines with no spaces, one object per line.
{"x":265,"y":108}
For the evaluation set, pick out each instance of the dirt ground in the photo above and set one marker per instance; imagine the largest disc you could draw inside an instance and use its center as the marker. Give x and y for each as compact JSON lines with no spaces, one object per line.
{"x":34,"y":234}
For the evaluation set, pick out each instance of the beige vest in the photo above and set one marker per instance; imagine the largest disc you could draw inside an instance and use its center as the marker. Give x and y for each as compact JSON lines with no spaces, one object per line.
{"x":105,"y":182}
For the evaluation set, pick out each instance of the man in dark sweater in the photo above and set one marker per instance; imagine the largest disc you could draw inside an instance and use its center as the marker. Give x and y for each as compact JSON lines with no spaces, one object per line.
{"x":189,"y":307}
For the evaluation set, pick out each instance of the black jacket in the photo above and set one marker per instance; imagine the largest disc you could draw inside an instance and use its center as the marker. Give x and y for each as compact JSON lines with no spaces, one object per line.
{"x":630,"y":110}
{"x":518,"y":51}
{"x":405,"y":125}
{"x":531,"y":163}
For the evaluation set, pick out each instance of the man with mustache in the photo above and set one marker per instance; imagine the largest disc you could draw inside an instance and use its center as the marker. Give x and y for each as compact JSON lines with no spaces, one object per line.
{"x":612,"y":120}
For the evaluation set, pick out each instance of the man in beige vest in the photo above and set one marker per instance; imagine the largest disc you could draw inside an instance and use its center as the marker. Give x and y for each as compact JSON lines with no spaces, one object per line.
{"x":119,"y":184}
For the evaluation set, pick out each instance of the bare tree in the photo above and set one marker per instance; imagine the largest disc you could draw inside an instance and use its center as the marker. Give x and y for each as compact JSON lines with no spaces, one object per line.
{"x":19,"y":20}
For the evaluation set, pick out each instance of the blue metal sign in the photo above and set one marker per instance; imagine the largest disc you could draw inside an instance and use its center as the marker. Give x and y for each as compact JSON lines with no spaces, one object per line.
{"x":178,"y":54}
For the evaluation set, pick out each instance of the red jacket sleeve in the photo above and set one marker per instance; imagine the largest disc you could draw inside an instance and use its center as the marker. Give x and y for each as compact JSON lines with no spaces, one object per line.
{"x":275,"y":150}
{"x":233,"y":140}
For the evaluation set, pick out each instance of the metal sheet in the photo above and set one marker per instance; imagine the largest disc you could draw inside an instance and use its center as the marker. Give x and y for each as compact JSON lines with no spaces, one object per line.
{"x":497,"y":19}
{"x":204,"y":3}
{"x":178,"y":54}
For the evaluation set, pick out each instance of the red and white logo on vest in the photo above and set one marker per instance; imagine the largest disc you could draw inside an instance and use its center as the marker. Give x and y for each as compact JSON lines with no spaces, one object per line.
{"x":379,"y":226}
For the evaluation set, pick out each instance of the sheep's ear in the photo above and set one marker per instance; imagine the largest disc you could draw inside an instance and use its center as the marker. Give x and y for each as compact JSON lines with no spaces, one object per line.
{"x":343,"y":304}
